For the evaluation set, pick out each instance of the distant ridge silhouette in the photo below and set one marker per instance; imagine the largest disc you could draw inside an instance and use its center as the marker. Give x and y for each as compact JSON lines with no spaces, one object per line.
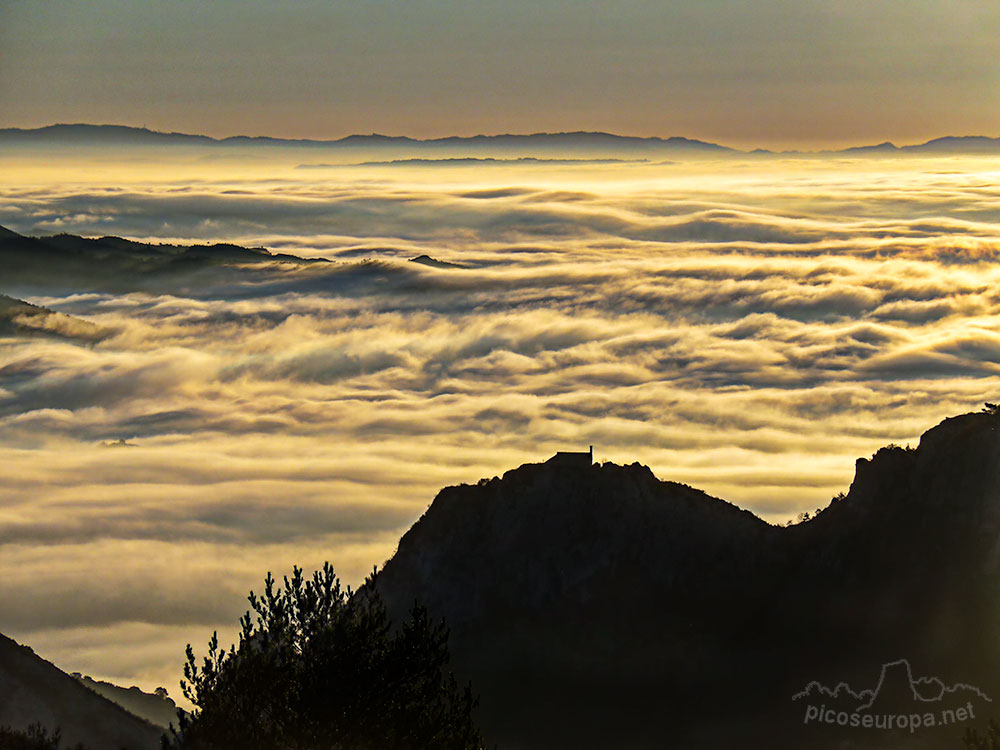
{"x":474,"y":161}
{"x":75,"y":263}
{"x":84,"y":133}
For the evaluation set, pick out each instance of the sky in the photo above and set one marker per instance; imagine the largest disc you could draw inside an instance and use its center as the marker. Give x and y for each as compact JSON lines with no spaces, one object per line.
{"x":776,"y":74}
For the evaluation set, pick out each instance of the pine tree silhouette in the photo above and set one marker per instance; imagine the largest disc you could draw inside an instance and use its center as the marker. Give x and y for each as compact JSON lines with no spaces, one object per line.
{"x":318,"y":666}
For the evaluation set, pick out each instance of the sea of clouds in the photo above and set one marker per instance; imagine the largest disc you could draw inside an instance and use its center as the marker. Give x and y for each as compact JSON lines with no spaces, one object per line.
{"x":749,"y":327}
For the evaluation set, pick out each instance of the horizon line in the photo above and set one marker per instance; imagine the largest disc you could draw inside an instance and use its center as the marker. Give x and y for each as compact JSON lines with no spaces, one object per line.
{"x":886,"y":144}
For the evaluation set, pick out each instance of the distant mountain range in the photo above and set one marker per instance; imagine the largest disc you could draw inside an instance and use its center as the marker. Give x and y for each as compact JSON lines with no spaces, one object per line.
{"x":571,"y":142}
{"x":598,"y":606}
{"x":963,"y":144}
{"x":83,"y":134}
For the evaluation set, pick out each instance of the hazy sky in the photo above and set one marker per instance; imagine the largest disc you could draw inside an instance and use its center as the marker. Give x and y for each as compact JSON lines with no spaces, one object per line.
{"x":744,"y":72}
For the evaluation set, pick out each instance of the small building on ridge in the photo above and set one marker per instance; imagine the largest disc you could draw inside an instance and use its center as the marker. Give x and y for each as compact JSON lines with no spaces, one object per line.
{"x":571,"y":460}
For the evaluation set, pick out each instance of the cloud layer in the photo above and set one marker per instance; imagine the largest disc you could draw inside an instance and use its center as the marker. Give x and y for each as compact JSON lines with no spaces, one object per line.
{"x":748,"y":328}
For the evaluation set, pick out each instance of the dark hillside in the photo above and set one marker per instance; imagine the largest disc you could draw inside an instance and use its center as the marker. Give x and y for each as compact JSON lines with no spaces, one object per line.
{"x":34,"y":691}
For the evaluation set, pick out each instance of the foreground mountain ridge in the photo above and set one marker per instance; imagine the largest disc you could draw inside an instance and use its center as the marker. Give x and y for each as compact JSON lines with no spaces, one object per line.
{"x":598,"y":605}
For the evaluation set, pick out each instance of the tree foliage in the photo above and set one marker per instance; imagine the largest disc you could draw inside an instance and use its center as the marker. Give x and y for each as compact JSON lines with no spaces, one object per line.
{"x":318,"y":666}
{"x":35,"y":737}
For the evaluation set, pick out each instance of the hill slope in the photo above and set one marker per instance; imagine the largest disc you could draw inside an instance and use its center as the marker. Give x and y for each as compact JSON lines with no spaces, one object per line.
{"x":33,"y":690}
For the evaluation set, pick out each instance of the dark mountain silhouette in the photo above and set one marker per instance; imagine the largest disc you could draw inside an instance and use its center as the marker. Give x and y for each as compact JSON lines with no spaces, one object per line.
{"x":426,"y":260}
{"x":959,"y":144}
{"x":965,"y":144}
{"x":580,"y":141}
{"x":68,"y":264}
{"x":82,"y":134}
{"x":116,"y":264}
{"x":156,"y":708}
{"x":887,"y":146}
{"x":474,"y":161}
{"x":599,"y":606}
{"x":34,"y":691}
{"x":576,"y":141}
{"x":19,"y":318}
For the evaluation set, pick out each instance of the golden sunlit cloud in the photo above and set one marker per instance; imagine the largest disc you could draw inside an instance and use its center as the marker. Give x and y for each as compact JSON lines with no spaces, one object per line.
{"x":748,"y":327}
